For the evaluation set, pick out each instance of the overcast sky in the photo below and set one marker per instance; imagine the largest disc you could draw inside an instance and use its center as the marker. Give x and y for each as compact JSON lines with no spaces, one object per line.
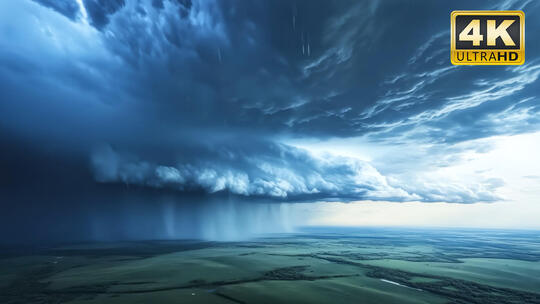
{"x":318,"y":102}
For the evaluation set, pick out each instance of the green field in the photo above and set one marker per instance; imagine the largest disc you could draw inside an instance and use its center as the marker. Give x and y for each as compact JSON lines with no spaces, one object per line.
{"x":345,"y":266}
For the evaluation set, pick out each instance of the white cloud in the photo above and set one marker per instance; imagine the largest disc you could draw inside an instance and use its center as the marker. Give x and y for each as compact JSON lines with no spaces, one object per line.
{"x":294,"y":174}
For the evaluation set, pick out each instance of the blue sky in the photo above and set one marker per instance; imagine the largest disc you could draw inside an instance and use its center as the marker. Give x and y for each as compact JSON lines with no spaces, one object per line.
{"x":282,"y":101}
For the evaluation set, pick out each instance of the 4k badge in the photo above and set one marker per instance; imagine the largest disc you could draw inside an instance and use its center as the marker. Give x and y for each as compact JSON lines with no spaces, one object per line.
{"x":487,"y":37}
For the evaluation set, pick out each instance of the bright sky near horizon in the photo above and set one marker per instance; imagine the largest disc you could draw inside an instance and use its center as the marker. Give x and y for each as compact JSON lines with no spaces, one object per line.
{"x":514,"y":160}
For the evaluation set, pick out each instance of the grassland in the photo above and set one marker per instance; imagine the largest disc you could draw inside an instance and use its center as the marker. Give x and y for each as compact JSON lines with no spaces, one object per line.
{"x":346,"y":266}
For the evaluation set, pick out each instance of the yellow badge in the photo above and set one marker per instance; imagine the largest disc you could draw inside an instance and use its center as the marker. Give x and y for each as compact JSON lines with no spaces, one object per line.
{"x":487,"y":37}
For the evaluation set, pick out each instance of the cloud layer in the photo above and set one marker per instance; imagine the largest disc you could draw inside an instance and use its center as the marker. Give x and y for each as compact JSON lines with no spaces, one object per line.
{"x":279,"y":172}
{"x":201,"y":95}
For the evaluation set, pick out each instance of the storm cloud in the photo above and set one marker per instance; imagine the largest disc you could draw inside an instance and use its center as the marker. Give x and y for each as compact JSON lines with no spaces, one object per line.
{"x":278,"y":172}
{"x":211,"y":97}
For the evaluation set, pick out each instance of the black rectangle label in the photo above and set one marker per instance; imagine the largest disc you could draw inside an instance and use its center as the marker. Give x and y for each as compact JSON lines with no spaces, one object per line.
{"x":513,"y":32}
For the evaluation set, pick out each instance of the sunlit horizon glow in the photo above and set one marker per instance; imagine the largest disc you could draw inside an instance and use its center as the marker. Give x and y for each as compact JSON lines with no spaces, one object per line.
{"x":510,"y":159}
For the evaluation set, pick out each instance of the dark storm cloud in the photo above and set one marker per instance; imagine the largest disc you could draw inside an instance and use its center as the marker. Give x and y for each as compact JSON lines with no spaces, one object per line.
{"x":326,"y":71}
{"x":100,"y":10}
{"x":68,"y":8}
{"x":172,"y":85}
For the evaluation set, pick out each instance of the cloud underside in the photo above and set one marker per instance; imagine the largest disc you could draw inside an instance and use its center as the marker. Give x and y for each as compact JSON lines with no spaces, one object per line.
{"x":219,"y":61}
